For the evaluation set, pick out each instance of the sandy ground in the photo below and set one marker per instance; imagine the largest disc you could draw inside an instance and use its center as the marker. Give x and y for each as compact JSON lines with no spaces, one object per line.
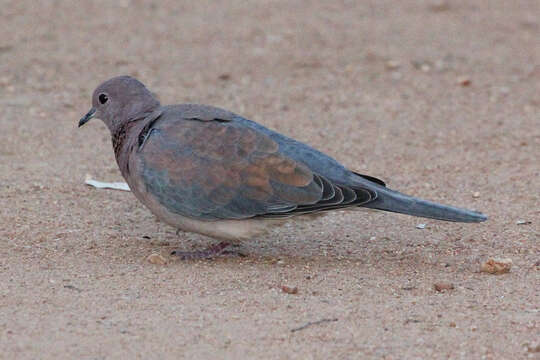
{"x":439,"y":99}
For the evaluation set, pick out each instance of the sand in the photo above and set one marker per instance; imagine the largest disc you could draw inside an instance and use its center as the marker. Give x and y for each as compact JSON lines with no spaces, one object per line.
{"x":439,"y":99}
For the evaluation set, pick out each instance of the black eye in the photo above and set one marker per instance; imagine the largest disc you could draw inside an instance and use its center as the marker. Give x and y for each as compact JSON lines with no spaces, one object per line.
{"x":103,"y":98}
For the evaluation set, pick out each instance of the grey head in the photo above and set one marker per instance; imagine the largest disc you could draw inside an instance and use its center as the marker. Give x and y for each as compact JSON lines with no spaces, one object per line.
{"x":120,"y":100}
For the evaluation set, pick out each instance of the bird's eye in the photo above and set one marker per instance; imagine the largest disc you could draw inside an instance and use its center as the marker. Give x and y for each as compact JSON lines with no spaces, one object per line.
{"x":103,"y":98}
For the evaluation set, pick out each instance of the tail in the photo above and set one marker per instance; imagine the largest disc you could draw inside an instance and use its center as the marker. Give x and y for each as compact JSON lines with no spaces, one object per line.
{"x":390,"y":200}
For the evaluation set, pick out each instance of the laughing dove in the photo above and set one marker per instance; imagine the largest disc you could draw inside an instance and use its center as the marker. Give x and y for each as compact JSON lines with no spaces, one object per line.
{"x":207,"y":170}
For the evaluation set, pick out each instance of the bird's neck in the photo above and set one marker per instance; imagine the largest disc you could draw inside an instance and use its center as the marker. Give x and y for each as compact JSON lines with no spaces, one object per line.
{"x":118,"y":137}
{"x":121,"y":142}
{"x":126,"y":137}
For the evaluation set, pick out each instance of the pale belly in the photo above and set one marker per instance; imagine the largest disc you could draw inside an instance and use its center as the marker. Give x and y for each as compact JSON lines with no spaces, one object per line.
{"x":229,"y":230}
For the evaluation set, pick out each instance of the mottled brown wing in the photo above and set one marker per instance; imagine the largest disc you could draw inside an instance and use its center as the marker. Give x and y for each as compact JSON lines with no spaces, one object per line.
{"x":221,"y":170}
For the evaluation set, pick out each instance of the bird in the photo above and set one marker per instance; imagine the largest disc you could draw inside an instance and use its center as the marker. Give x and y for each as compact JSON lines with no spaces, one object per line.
{"x":207,"y":170}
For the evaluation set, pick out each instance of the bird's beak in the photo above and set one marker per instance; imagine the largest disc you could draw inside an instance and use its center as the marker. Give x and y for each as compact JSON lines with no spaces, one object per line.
{"x":87,"y":117}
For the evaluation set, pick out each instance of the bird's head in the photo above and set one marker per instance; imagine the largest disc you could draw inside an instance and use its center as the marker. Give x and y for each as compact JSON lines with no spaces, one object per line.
{"x":119,"y":100}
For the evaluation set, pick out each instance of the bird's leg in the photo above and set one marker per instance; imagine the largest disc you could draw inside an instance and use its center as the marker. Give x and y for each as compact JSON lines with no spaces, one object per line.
{"x":208,"y":253}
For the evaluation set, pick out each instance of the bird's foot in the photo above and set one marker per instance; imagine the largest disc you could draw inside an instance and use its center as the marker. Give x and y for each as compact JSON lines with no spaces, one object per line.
{"x":208,"y":253}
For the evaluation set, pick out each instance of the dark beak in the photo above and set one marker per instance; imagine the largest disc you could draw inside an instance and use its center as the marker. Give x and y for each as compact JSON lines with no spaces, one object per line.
{"x":87,"y":117}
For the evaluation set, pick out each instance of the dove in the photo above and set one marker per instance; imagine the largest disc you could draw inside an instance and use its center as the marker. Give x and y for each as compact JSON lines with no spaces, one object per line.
{"x":206,"y":170}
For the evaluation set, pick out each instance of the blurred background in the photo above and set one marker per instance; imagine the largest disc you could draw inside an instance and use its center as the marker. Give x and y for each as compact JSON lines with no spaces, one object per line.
{"x":438,"y":98}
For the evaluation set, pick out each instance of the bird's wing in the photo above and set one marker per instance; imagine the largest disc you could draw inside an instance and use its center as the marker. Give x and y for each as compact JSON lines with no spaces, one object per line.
{"x":203,"y":164}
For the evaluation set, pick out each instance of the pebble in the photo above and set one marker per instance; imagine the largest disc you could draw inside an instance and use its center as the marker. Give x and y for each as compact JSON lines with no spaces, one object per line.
{"x":289,"y":290}
{"x":533,"y":348}
{"x":392,"y":64}
{"x":464,"y":81}
{"x":156,"y":259}
{"x":443,"y":286}
{"x":224,"y":77}
{"x":496,"y":266}
{"x":439,"y":6}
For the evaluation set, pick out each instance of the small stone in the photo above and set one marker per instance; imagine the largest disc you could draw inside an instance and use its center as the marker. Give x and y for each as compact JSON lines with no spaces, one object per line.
{"x":421,"y":226}
{"x":464,"y":81}
{"x":476,"y":195}
{"x":523,"y":222}
{"x":224,"y":77}
{"x":533,"y":348}
{"x":392,"y":64}
{"x":439,"y":6}
{"x":156,"y":259}
{"x":425,"y":67}
{"x":496,"y":266}
{"x":4,"y":81}
{"x":452,"y":324}
{"x":443,"y":286}
{"x":289,"y":290}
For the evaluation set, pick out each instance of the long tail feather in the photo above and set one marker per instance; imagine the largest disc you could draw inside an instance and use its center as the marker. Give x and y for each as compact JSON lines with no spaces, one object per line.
{"x":390,"y":200}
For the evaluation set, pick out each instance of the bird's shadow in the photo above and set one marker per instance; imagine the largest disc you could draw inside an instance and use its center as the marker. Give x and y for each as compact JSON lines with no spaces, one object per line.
{"x":398,"y":251}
